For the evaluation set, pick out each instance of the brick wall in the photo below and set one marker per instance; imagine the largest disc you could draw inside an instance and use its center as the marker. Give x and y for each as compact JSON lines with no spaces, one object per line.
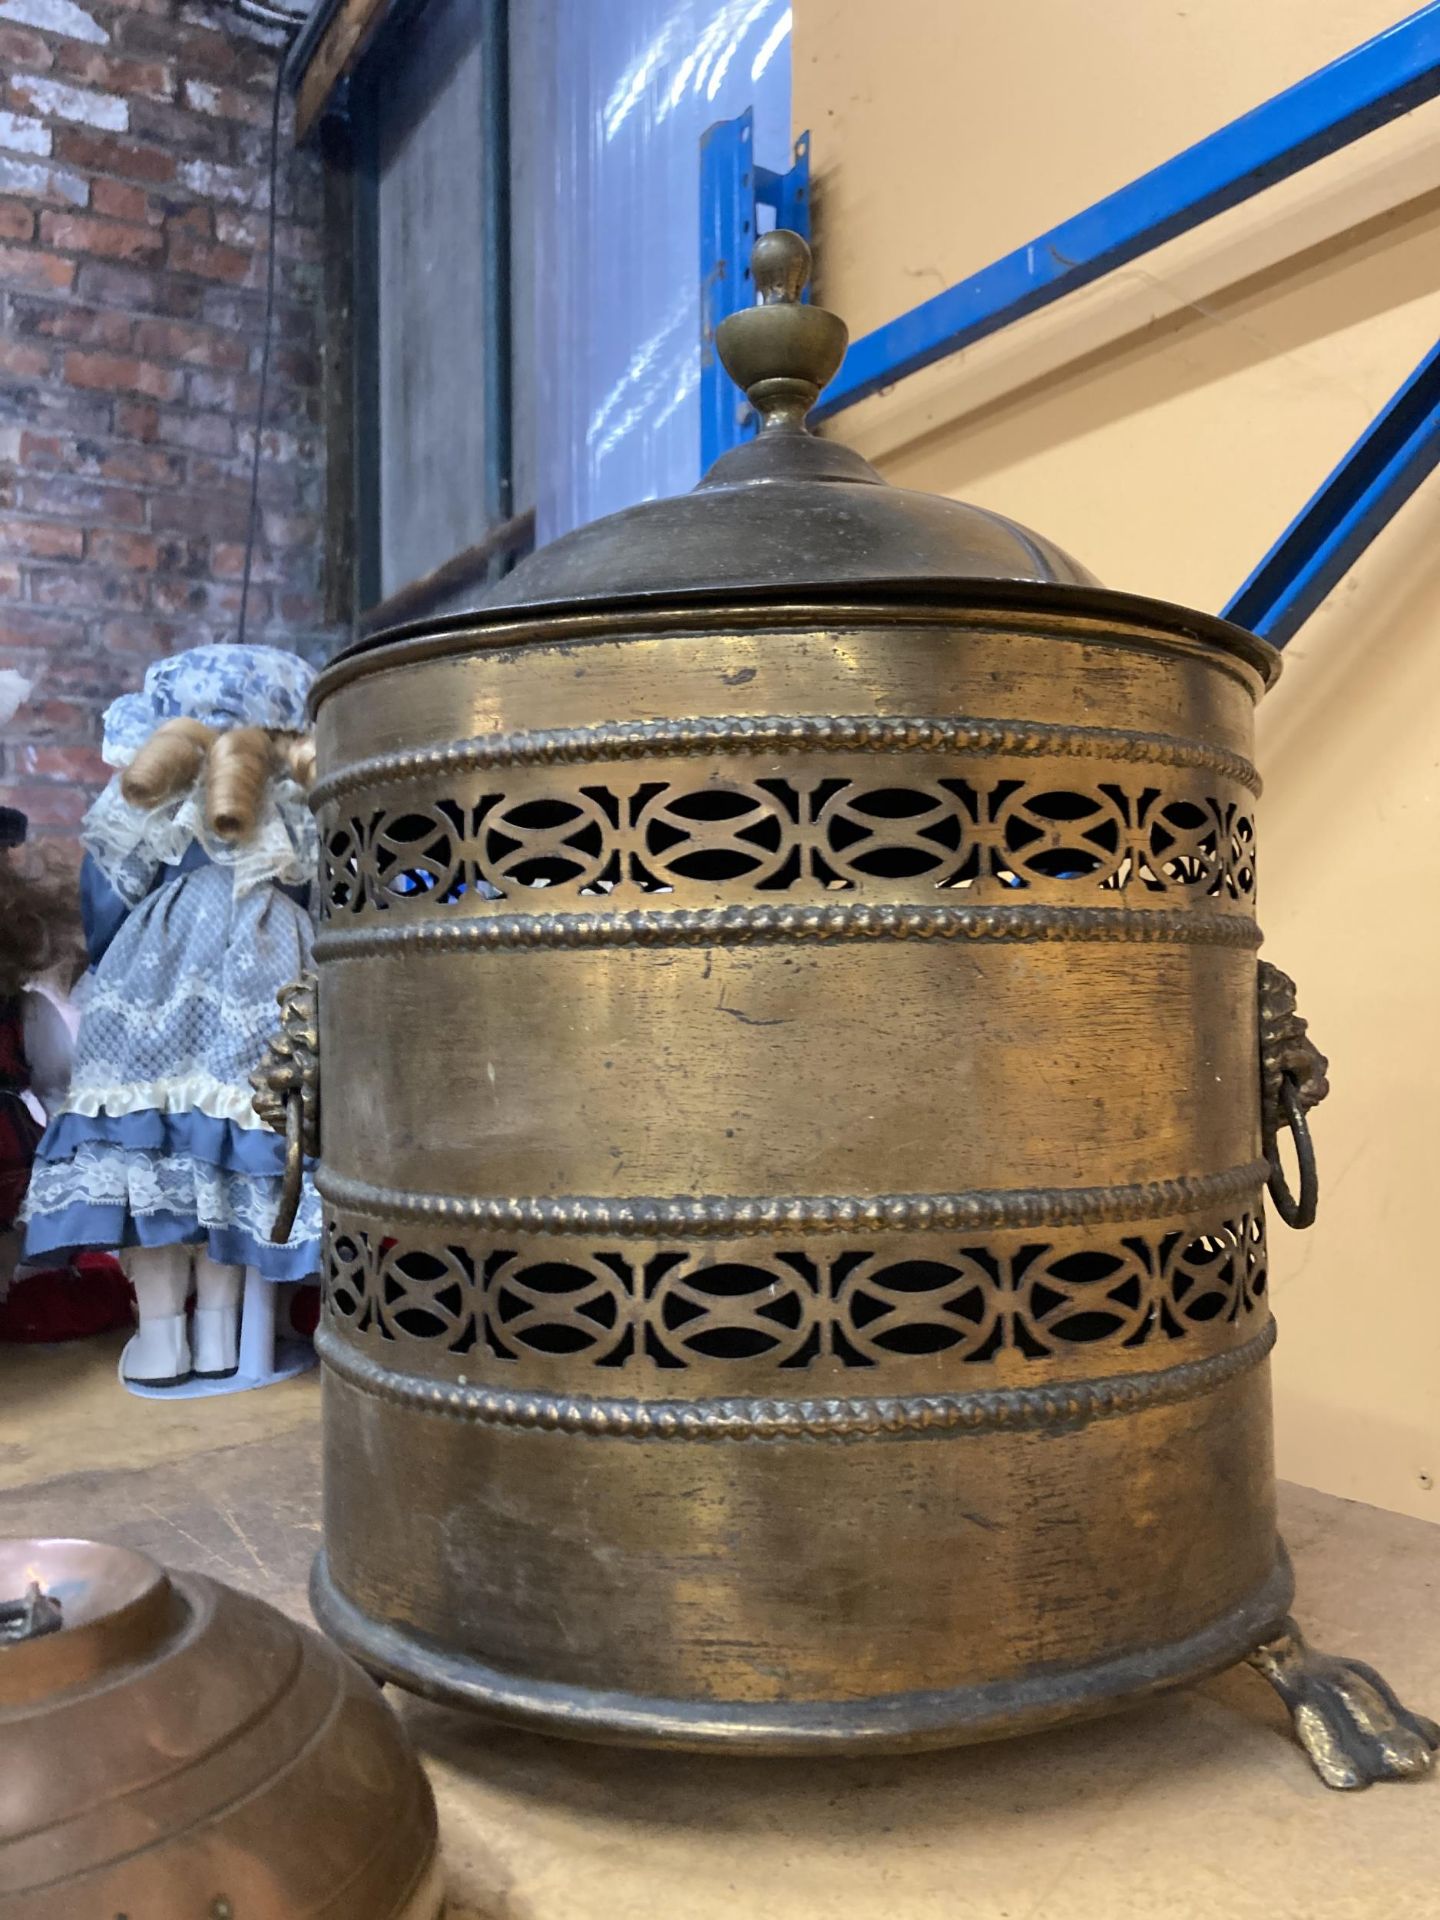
{"x":134,"y":148}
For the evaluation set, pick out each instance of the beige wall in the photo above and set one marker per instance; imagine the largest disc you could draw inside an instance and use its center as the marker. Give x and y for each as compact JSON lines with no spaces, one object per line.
{"x":1163,"y":426}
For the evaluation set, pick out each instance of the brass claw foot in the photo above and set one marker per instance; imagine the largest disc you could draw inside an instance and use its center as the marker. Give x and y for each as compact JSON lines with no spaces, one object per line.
{"x":1345,"y":1716}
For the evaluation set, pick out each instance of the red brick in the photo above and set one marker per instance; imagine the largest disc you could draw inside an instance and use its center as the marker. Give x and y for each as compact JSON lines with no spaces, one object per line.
{"x":22,"y":361}
{"x":136,"y":421}
{"x":197,"y":220}
{"x":51,"y":720}
{"x":113,"y":153}
{"x":43,"y":449}
{"x":148,"y":638}
{"x":79,"y":325}
{"x":291,"y":530}
{"x":210,"y":516}
{"x":22,"y":267}
{"x":205,"y":599}
{"x":88,"y":588}
{"x":238,"y":312}
{"x":22,"y":628}
{"x":300,"y":609}
{"x":151,"y":309}
{"x":196,"y":136}
{"x":138,"y":466}
{"x":285,"y":447}
{"x":119,"y":200}
{"x":190,"y":255}
{"x":52,"y":411}
{"x":81,"y":60}
{"x":19,"y":47}
{"x":191,"y":345}
{"x":138,"y":552}
{"x":299,"y":366}
{"x":227,"y":103}
{"x":50,"y":804}
{"x":122,"y":373}
{"x":41,"y":539}
{"x":138,"y":290}
{"x":17,"y":220}
{"x":81,"y":764}
{"x":225,"y":392}
{"x":197,"y":50}
{"x":227,"y":560}
{"x":222,"y":476}
{"x":110,"y":239}
{"x":200,"y":432}
{"x":76,"y":499}
{"x":247,"y":231}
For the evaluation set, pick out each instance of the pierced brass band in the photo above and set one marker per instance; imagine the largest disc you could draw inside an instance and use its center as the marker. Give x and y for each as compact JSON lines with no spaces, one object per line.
{"x":787,"y":1298}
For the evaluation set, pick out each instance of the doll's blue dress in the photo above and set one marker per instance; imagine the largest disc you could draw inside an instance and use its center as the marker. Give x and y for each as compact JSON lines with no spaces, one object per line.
{"x":190,"y":940}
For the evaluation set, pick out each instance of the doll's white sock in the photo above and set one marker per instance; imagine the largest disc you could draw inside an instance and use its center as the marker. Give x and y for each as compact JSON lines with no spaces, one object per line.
{"x":159,"y":1354}
{"x":217,"y":1317}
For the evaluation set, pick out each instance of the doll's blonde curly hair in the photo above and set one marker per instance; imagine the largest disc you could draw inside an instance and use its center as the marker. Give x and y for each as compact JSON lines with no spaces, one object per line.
{"x":237,"y":764}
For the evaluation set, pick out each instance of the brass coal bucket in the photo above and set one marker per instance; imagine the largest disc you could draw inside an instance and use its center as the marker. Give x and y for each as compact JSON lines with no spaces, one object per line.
{"x":798,"y":1094}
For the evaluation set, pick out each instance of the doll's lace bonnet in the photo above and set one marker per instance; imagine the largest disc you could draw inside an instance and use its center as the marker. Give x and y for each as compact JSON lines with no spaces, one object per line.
{"x":224,"y":685}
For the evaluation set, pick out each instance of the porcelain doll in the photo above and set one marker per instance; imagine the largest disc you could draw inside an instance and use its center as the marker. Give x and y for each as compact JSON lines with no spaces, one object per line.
{"x":195,"y":898}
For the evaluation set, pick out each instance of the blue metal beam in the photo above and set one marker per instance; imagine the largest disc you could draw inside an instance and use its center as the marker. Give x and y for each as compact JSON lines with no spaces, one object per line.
{"x":1374,"y":480}
{"x":732,"y":189}
{"x":1377,"y":82}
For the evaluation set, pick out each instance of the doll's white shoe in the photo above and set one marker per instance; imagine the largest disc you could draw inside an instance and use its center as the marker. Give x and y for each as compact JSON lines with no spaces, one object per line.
{"x":217,"y":1333}
{"x":159,"y":1354}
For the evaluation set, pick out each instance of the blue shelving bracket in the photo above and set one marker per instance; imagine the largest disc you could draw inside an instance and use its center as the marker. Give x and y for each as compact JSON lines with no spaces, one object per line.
{"x":733,"y":187}
{"x":1374,"y":480}
{"x":1364,"y":89}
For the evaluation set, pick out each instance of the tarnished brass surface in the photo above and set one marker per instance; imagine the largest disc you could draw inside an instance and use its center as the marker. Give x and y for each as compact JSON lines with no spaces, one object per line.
{"x":178,"y":1749}
{"x":792,"y":1146}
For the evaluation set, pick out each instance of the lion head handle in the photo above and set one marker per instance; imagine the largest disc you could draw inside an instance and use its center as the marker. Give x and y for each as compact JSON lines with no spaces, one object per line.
{"x":287,"y":1091}
{"x":1292,"y":1080}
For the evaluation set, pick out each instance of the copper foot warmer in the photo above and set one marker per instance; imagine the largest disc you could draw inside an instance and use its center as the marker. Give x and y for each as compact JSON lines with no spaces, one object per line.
{"x":798,"y":1094}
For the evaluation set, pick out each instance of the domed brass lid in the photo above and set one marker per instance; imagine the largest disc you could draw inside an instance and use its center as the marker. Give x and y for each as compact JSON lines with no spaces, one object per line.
{"x":784,"y":509}
{"x":790,"y":517}
{"x":171,"y":1746}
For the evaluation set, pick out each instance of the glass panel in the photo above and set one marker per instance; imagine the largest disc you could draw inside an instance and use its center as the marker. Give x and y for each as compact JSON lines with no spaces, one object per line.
{"x":611,"y":98}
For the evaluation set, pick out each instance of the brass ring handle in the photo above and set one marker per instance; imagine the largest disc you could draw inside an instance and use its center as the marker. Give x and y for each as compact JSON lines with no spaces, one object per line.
{"x":287,"y":1094}
{"x":1295,"y":1211}
{"x":294,"y":1178}
{"x":1292,"y":1080}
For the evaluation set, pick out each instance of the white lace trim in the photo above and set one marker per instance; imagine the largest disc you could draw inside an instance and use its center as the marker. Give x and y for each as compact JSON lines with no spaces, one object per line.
{"x":145,"y":1181}
{"x":196,"y":1093}
{"x":103,"y":997}
{"x":131,"y":844}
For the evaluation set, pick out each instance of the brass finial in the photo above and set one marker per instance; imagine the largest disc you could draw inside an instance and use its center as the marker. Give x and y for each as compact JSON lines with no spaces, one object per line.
{"x":780,"y":352}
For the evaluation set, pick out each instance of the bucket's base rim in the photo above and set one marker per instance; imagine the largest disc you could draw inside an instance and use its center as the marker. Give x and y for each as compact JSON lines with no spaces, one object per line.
{"x":894,"y":1723}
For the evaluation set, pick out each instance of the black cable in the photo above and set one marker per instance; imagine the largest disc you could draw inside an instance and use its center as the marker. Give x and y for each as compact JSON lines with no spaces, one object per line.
{"x":265,"y":343}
